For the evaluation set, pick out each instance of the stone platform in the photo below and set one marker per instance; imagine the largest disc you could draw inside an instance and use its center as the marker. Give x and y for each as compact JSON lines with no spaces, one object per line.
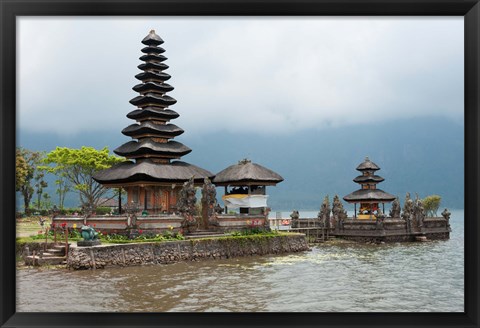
{"x":86,"y":243}
{"x":392,"y":230}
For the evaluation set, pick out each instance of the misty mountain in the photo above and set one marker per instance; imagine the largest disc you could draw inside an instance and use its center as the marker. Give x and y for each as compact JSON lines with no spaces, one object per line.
{"x":421,"y":155}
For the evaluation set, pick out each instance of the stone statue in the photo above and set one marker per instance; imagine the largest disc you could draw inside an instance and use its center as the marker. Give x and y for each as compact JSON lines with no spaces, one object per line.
{"x":395,"y":210}
{"x":295,"y":217}
{"x":380,"y":219}
{"x":418,"y":212}
{"x":407,"y":214}
{"x":209,"y":200}
{"x":131,"y":209}
{"x":324,"y":214}
{"x":446,"y":215}
{"x":187,"y":203}
{"x":218,"y":209}
{"x":341,"y":221}
{"x":338,"y":211}
{"x":90,"y":237}
{"x":407,"y":207}
{"x":88,"y":233}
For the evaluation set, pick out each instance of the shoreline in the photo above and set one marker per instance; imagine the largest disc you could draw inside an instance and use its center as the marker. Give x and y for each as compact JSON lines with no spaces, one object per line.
{"x":166,"y":252}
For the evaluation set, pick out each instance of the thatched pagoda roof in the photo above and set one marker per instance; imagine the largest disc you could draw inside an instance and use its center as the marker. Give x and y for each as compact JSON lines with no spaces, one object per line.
{"x":145,"y":128}
{"x":367,"y":164}
{"x":368,"y":178}
{"x":153,"y":57}
{"x":172,"y":149}
{"x":247,"y":173}
{"x":154,"y":50}
{"x":369,"y":195}
{"x":153,"y":65}
{"x":152,"y":87}
{"x":161,"y":76}
{"x":149,"y":171}
{"x":153,"y":100}
{"x":155,"y":113}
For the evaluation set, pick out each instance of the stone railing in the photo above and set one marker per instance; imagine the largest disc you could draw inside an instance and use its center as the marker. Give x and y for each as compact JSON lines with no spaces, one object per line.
{"x":228,"y":222}
{"x":123,"y":223}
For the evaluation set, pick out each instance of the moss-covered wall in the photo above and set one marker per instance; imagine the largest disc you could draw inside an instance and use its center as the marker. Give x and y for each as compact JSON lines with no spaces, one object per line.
{"x":185,"y":250}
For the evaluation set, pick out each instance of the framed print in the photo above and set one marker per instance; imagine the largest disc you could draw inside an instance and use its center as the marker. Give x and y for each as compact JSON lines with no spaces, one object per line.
{"x":231,"y":122}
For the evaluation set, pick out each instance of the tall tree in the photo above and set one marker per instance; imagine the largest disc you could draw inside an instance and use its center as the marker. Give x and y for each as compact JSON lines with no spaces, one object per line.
{"x":63,"y":187}
{"x":78,"y":166}
{"x":431,"y":204}
{"x":27,"y":168}
{"x":21,"y":170}
{"x":40,"y":184}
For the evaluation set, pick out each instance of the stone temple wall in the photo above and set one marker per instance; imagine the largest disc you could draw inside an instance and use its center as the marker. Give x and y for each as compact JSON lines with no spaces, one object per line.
{"x":392,"y":230}
{"x":101,"y":256}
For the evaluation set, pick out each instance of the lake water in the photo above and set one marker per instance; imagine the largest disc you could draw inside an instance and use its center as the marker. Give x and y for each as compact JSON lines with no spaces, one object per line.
{"x":337,"y":276}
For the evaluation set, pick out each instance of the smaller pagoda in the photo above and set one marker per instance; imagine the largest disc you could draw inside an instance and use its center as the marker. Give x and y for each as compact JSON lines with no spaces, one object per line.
{"x":369,"y":197}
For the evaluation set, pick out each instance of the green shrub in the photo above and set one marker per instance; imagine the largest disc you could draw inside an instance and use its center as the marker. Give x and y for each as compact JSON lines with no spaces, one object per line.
{"x":431,"y":204}
{"x":103,"y":210}
{"x":72,"y":210}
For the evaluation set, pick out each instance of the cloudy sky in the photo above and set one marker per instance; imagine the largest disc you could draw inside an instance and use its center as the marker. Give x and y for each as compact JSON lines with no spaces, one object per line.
{"x":256,"y":75}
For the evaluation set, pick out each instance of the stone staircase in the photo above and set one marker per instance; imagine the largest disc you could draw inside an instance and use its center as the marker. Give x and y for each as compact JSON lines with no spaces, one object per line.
{"x":204,"y":234}
{"x":51,"y":256}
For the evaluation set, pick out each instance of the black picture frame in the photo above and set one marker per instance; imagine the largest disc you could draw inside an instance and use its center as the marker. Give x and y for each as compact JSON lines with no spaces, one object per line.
{"x":10,"y":9}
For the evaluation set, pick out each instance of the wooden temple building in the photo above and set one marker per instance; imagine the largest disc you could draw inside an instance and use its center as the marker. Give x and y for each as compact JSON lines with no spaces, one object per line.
{"x":152,"y":174}
{"x":368,"y":196}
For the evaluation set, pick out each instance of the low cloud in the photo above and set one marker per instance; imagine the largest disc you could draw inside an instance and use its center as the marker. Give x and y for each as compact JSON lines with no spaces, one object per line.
{"x":265,"y":75}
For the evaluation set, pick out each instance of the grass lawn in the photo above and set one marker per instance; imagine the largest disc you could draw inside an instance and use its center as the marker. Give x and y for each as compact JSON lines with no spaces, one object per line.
{"x":30,"y":226}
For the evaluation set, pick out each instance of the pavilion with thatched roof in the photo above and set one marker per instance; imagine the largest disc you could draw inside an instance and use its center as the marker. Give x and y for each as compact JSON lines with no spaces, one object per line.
{"x":245,"y":186}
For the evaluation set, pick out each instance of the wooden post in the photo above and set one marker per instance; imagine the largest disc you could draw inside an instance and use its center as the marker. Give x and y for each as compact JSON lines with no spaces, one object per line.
{"x":155,"y":209}
{"x":46,"y":239}
{"x":226,"y":210}
{"x":66,"y":241}
{"x":354,"y":210}
{"x":249,"y":192}
{"x":145,"y":198}
{"x":55,"y":235}
{"x":119,"y":201}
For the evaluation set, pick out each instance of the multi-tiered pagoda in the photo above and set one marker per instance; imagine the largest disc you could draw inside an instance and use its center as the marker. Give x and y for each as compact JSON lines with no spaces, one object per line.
{"x":151,"y":177}
{"x":368,"y":196}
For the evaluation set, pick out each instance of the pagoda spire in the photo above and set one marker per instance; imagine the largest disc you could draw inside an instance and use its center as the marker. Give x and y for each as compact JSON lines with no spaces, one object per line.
{"x":152,"y":129}
{"x":151,"y":169}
